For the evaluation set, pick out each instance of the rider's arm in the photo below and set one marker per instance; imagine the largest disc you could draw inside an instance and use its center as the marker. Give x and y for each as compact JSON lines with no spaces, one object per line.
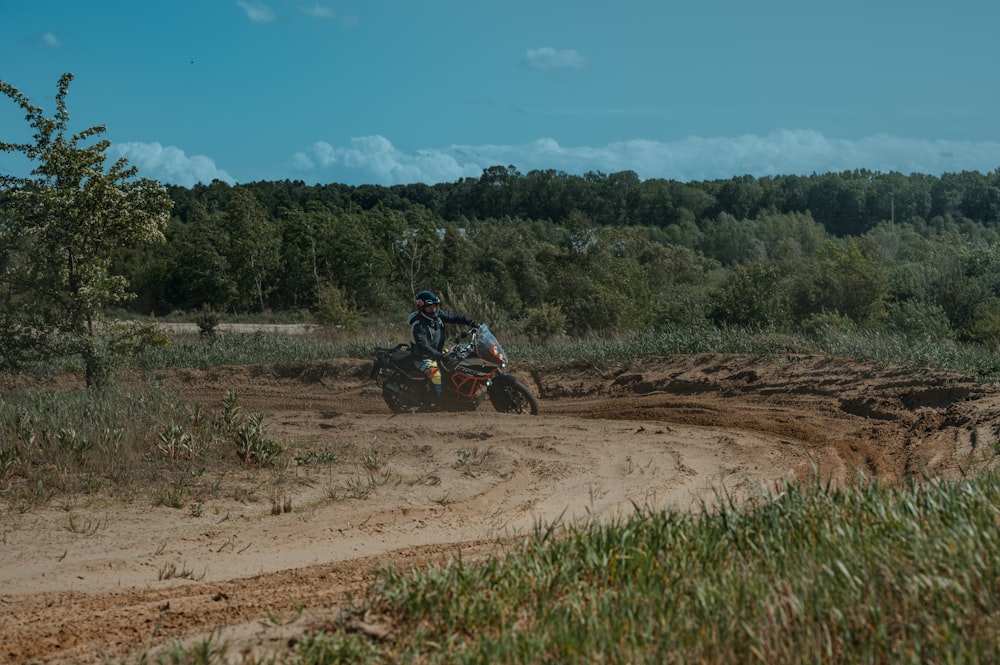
{"x":455,"y":317}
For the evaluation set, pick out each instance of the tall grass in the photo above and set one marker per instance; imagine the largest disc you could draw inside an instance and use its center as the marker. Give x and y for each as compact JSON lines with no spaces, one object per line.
{"x":598,"y":350}
{"x":878,"y":347}
{"x":814,"y":574}
{"x":193,"y":351}
{"x":123,"y":442}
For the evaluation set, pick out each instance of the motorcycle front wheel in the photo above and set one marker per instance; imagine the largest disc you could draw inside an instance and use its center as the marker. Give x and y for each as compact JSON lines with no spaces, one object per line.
{"x":509,"y":395}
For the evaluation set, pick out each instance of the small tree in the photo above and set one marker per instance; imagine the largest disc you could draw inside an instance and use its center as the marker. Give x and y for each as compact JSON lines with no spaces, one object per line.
{"x":58,"y":229}
{"x":335,"y":309}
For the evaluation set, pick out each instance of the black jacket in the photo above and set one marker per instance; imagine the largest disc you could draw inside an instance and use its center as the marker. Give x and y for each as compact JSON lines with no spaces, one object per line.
{"x":427,"y":334}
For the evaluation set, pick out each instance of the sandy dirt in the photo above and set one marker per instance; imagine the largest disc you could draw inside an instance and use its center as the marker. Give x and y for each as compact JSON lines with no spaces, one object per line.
{"x":269,"y":557}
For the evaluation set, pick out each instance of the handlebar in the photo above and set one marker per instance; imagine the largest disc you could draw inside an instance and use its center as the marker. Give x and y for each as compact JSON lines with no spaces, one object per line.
{"x":465,"y":333}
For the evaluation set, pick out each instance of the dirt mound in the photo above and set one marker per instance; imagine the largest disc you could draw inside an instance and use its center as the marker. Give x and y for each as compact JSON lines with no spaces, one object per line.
{"x":378,"y":489}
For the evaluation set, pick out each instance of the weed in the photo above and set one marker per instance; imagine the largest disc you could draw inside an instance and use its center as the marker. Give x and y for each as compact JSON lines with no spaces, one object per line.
{"x":176,"y":444}
{"x":371,"y":460}
{"x":278,"y":620}
{"x":253,"y":446}
{"x":281,"y":505}
{"x":231,"y":411}
{"x":73,"y":443}
{"x":361,"y":488}
{"x":173,"y":497}
{"x":10,"y":459}
{"x":86,"y":526}
{"x":472,"y":462}
{"x":171,"y":571}
{"x":313,"y":457}
{"x":335,"y":494}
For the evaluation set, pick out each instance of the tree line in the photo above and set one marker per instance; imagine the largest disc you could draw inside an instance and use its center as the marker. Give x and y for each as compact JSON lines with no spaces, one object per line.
{"x":846,"y":203}
{"x":548,"y":251}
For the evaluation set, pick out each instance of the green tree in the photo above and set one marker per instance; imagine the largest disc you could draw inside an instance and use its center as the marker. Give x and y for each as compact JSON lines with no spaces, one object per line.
{"x":58,"y":230}
{"x":299,"y":279}
{"x":752,"y":296}
{"x":199,"y":273}
{"x":252,"y":249}
{"x":847,"y":278}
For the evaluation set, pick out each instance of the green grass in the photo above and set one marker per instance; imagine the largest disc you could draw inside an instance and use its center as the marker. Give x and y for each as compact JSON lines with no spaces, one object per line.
{"x":811,"y":575}
{"x":252,"y":349}
{"x":875,"y":347}
{"x":124,"y":442}
{"x":598,"y":350}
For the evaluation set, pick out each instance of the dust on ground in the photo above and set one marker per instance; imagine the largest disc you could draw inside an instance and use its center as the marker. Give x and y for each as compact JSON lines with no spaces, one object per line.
{"x":255,"y":569}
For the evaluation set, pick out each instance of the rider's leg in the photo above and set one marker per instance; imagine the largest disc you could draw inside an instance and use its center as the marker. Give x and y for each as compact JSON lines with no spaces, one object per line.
{"x":430,"y":368}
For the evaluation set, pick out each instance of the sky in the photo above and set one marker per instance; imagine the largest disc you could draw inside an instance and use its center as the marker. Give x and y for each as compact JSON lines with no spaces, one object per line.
{"x":398,"y":91}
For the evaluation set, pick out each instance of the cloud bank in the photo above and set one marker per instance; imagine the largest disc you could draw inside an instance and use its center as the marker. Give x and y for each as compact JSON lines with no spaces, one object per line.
{"x":169,"y":165}
{"x":375,"y":160}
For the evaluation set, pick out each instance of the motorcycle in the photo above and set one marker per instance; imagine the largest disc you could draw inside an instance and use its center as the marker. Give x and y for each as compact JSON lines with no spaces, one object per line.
{"x":471,"y":371}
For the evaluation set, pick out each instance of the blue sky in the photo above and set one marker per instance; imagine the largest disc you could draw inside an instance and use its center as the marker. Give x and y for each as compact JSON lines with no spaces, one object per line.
{"x":398,"y":91}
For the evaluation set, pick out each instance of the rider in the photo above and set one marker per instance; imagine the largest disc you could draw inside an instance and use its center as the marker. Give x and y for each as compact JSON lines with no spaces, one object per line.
{"x":427,"y":334}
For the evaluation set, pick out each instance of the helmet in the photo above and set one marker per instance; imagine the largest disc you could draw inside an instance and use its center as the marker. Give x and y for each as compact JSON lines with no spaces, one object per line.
{"x":424,"y":300}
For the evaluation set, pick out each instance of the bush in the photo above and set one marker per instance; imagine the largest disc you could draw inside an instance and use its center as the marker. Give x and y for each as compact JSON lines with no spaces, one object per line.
{"x":753,"y":296}
{"x":985,"y":330}
{"x":918,"y":320}
{"x":207,"y":321}
{"x":680,"y":305}
{"x":544,"y":322}
{"x":819,"y":326}
{"x":471,"y":302}
{"x":335,"y":309}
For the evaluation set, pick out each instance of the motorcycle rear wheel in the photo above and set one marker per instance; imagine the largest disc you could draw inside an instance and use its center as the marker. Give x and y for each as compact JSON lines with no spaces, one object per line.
{"x":512,"y":396}
{"x":393,"y":401}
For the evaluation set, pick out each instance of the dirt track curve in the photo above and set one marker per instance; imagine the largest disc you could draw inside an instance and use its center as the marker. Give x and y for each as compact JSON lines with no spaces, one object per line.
{"x":409,"y":489}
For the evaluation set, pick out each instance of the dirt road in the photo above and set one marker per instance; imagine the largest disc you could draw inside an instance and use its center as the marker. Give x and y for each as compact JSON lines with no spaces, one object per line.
{"x":267,"y":556}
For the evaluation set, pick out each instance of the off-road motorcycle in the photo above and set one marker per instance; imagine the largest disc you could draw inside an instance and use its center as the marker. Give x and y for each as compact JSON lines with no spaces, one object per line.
{"x":471,"y":371}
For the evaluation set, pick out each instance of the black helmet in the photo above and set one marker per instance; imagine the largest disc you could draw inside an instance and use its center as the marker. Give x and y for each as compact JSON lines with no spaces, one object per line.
{"x":425,"y":298}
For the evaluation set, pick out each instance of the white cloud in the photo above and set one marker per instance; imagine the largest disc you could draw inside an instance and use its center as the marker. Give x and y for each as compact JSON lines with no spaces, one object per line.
{"x":169,"y":164}
{"x":49,"y":40}
{"x":374,"y":159}
{"x":550,"y":58}
{"x":257,"y":12}
{"x":381,"y":162}
{"x":319,"y":11}
{"x":326,"y":13}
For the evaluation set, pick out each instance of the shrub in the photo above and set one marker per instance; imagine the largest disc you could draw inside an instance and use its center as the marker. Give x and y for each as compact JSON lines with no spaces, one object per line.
{"x":335,"y":309}
{"x":544,"y":322}
{"x":753,"y":296}
{"x":918,"y":320}
{"x":207,"y":321}
{"x":819,"y":326}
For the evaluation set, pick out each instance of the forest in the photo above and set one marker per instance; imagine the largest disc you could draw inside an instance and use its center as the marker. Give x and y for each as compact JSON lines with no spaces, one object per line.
{"x":548,"y":253}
